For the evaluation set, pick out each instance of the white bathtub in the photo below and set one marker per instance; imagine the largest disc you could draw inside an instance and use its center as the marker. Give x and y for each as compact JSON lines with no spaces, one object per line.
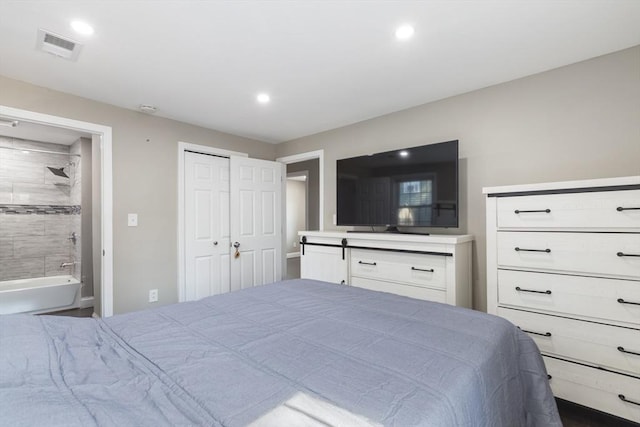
{"x":39,"y":295}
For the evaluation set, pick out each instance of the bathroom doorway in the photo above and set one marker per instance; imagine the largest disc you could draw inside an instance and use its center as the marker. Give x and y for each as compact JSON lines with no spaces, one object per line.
{"x":42,"y":185}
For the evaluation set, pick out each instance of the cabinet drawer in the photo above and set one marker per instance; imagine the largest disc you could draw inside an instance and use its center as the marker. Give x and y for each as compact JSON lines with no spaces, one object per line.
{"x":592,"y":343}
{"x":595,"y":388}
{"x":571,"y":210}
{"x":401,"y":289}
{"x":589,"y":297}
{"x":415,"y":269}
{"x":581,"y":253}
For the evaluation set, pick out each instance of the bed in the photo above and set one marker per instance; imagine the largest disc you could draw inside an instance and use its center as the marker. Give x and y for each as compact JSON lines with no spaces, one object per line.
{"x":292,"y":353}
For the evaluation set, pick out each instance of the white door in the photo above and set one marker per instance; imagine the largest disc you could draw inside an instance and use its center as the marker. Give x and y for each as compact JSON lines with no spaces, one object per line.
{"x":206,"y":225}
{"x":256,"y":223}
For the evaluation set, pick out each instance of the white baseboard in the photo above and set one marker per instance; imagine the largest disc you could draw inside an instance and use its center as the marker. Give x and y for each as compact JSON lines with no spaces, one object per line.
{"x":86,"y":302}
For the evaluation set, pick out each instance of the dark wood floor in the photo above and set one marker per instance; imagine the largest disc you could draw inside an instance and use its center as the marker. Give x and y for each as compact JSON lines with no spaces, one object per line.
{"x":578,"y":416}
{"x":76,"y":312}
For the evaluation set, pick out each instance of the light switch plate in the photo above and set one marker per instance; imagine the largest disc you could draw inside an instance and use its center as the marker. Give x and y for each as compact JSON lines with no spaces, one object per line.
{"x":132,"y":220}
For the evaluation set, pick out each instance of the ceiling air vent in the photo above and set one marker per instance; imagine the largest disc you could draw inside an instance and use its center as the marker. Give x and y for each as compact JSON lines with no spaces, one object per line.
{"x":57,"y":45}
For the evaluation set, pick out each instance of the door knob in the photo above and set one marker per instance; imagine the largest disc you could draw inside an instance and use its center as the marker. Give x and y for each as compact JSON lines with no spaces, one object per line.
{"x":236,"y":245}
{"x":215,"y":243}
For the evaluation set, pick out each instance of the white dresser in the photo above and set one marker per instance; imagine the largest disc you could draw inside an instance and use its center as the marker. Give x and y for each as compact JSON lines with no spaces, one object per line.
{"x":563,"y":264}
{"x":434,"y":267}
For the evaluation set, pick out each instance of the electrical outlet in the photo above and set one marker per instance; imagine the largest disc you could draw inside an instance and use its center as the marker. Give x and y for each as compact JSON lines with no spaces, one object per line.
{"x":153,"y":295}
{"x":335,"y":219}
{"x":132,"y":220}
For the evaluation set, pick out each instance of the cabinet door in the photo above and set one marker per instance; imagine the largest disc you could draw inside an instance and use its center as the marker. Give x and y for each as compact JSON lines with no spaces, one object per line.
{"x":323,"y":263}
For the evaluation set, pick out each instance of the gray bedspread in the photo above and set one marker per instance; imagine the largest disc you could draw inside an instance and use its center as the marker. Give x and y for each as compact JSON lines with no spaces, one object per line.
{"x":293,"y":353}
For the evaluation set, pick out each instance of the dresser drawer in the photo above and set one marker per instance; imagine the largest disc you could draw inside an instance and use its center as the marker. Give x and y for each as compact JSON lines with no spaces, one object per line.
{"x":415,"y":269}
{"x":594,"y":343}
{"x":401,"y":289}
{"x":595,"y":388}
{"x":610,"y":254}
{"x":571,"y":210}
{"x":590,"y":297}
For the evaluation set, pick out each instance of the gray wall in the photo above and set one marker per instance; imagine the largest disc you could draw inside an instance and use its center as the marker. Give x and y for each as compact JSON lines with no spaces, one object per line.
{"x":145,"y":167}
{"x":577,"y":122}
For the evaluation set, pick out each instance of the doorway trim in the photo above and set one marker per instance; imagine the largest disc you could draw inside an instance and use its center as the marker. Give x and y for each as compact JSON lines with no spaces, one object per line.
{"x":106,"y":198}
{"x":311,"y":155}
{"x":202,"y":149}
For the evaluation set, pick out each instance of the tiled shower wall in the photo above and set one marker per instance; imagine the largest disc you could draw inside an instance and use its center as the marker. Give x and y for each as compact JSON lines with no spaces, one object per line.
{"x":35,"y":244}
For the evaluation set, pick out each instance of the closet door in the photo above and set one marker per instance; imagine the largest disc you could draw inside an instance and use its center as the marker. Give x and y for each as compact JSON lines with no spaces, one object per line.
{"x":256,"y":222}
{"x":206,"y":225}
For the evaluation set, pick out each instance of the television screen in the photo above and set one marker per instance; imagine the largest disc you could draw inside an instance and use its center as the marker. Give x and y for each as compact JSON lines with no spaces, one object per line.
{"x":410,"y":187}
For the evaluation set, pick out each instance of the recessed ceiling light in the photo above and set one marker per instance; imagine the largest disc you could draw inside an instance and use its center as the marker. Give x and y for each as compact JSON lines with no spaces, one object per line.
{"x":404,"y":32}
{"x":263,"y":98}
{"x":82,"y":27}
{"x":404,"y":153}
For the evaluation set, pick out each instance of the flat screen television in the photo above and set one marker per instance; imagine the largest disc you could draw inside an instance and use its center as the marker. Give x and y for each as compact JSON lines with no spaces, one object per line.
{"x":410,"y":187}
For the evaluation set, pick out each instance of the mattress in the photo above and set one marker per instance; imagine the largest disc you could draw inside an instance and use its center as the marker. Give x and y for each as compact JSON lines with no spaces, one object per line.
{"x":297,"y":352}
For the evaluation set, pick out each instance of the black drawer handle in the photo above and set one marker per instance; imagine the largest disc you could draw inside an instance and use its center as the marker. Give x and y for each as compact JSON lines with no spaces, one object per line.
{"x":548,"y":292}
{"x":621,"y":349}
{"x":428,"y":270}
{"x":624,"y":399}
{"x":542,"y":334}
{"x":367,"y":263}
{"x":532,"y":250}
{"x":623,"y":254}
{"x":620,"y":209}
{"x":621,"y":301}
{"x":534,"y":211}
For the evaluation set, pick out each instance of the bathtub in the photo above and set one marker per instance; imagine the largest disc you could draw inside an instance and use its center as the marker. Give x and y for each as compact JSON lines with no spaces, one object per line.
{"x":39,"y":295}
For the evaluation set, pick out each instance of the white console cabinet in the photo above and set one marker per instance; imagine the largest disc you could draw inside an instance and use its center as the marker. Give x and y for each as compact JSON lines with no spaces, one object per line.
{"x":563,"y":264}
{"x":430,"y":267}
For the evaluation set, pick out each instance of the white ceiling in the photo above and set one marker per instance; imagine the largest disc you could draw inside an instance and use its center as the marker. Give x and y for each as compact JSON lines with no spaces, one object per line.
{"x":325,"y":64}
